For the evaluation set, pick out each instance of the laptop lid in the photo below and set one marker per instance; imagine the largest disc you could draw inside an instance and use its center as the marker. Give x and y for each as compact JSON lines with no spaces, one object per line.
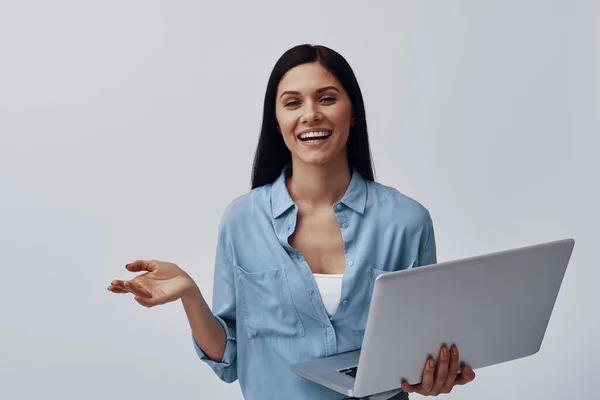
{"x":494,"y":307}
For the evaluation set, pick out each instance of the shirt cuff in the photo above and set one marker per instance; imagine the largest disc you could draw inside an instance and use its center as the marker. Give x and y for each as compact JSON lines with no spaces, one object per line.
{"x":230,"y":348}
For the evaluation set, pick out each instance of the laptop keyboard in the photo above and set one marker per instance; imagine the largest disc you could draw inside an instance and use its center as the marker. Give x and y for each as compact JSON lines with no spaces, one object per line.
{"x":349,"y":371}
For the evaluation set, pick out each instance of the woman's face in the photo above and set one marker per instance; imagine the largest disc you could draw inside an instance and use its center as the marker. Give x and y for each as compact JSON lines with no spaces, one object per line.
{"x":314,"y":114}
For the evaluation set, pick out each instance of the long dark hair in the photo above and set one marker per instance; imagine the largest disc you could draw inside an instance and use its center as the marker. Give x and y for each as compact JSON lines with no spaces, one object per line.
{"x":272,"y":154}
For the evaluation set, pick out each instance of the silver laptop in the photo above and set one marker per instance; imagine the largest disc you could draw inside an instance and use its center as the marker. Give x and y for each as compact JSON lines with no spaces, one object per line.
{"x":494,"y":307}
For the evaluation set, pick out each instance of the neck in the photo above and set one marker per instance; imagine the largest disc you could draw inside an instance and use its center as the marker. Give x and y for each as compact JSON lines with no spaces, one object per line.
{"x":319,"y":185}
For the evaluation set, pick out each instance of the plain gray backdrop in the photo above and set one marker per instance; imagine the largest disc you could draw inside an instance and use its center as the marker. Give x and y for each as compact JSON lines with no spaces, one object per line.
{"x":126,"y":127}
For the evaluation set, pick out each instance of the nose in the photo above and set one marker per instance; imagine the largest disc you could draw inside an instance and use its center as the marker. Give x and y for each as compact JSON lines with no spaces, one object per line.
{"x":311,"y":114}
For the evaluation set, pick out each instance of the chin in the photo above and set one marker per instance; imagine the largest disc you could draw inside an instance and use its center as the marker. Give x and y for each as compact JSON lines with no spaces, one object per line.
{"x":322,"y":159}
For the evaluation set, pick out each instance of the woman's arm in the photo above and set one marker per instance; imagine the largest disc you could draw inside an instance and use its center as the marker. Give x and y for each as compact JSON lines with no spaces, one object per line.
{"x":214,"y":329}
{"x":207,"y":331}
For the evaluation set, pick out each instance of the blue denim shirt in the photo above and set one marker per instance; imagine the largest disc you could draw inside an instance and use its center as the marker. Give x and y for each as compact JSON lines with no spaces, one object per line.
{"x":265,"y":295}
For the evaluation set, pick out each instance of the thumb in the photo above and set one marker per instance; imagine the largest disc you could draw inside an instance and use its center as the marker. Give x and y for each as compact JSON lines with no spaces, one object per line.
{"x":141,"y":265}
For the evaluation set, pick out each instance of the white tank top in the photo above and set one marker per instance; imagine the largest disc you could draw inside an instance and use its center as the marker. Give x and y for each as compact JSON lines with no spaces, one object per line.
{"x":330,"y":287}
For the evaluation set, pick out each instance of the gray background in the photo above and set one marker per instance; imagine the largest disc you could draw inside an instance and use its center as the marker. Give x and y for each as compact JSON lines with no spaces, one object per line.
{"x":126,"y":127}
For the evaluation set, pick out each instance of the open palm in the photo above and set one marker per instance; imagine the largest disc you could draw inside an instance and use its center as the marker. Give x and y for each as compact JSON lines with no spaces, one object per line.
{"x":161,"y":282}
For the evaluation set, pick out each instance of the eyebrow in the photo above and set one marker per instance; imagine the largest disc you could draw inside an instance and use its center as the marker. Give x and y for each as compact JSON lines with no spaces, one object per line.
{"x":323,"y":89}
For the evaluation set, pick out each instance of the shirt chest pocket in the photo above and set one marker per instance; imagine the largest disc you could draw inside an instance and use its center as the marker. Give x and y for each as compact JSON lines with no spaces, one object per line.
{"x":266,"y":304}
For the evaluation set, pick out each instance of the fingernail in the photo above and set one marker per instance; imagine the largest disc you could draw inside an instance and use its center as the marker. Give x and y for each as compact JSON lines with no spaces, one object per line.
{"x":445,"y":352}
{"x":454,"y":351}
{"x":430,"y":363}
{"x":467,"y":369}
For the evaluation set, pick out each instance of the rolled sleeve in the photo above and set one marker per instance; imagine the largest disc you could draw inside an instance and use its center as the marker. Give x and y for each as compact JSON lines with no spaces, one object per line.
{"x":224,"y":310}
{"x":229,"y":355}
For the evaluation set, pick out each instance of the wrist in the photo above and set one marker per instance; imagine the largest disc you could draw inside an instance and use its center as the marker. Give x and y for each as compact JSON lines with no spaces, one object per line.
{"x":191,"y":293}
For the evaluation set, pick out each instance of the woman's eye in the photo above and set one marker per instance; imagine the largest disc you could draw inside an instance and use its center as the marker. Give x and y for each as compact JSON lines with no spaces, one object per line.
{"x":294,"y":103}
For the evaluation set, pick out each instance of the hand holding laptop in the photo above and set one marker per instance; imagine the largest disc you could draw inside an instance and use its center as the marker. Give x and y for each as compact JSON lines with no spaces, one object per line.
{"x":443,"y":377}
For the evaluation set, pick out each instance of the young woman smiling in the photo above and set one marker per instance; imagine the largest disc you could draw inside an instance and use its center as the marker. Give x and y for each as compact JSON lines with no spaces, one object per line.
{"x":298,"y":254}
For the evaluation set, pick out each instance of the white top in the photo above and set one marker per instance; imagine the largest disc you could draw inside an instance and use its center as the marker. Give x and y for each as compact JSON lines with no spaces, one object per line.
{"x":330,"y":287}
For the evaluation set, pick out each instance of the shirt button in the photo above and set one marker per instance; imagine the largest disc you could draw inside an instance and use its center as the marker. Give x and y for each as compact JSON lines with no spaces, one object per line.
{"x":350,"y":263}
{"x":289,"y":228}
{"x":338,"y":207}
{"x":312,"y":292}
{"x":328,"y":329}
{"x":345,"y":302}
{"x":345,"y":225}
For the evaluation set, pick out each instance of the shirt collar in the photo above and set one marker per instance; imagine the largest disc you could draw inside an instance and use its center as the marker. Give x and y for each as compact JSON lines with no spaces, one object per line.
{"x":281,"y":201}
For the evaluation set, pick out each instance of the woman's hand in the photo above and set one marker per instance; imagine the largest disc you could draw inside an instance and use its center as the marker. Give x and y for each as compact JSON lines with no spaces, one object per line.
{"x":161,"y":283}
{"x":443,"y":378}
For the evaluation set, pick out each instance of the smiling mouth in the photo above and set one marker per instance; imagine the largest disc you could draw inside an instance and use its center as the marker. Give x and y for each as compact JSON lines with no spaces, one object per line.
{"x":314,"y":137}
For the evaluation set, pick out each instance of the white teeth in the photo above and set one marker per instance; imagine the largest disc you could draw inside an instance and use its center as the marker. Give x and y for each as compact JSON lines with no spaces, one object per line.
{"x":314,"y":134}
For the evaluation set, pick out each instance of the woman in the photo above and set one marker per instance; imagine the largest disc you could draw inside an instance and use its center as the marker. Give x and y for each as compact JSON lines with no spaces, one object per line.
{"x":297,"y":256}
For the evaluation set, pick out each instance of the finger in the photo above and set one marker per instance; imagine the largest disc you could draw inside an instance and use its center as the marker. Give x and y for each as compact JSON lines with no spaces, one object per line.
{"x":408,"y":388}
{"x":115,"y":289}
{"x":137,"y":289}
{"x":441,"y":372}
{"x":466,"y":376}
{"x":141,"y":265}
{"x":119,"y":284}
{"x":144,"y":301}
{"x":427,"y":381}
{"x":452,"y":369}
